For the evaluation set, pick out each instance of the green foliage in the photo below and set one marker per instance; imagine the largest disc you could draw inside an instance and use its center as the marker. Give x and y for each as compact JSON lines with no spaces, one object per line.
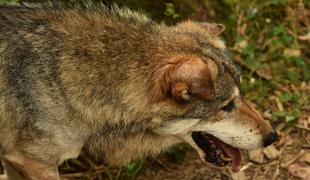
{"x":170,"y":11}
{"x":132,"y":169}
{"x":231,"y":2}
{"x":177,"y":153}
{"x":288,"y":117}
{"x":277,"y":2}
{"x":277,"y":30}
{"x":8,"y":1}
{"x":285,"y":98}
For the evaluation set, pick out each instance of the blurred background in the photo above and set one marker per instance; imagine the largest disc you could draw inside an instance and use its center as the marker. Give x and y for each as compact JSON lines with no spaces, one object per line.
{"x":270,"y":41}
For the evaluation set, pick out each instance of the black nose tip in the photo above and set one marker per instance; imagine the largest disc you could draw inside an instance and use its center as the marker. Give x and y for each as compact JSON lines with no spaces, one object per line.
{"x":270,"y":138}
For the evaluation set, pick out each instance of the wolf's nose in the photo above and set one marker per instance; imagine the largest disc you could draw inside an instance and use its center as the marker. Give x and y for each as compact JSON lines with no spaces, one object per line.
{"x":270,"y":138}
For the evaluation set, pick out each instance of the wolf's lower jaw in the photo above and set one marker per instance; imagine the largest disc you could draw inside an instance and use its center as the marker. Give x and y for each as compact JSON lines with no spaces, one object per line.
{"x":215,"y":151}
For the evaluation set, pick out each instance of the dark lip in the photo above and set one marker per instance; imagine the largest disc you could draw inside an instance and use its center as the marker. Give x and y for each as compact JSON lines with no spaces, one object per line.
{"x":212,"y":152}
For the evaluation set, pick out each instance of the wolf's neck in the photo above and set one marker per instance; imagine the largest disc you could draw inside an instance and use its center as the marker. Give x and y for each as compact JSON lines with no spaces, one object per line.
{"x":106,"y":76}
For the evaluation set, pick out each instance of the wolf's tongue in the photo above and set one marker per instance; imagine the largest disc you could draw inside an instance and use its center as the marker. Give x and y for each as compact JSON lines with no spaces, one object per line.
{"x":233,"y":153}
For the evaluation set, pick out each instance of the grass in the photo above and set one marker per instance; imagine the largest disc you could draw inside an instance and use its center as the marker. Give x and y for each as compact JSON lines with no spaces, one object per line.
{"x":269,"y":40}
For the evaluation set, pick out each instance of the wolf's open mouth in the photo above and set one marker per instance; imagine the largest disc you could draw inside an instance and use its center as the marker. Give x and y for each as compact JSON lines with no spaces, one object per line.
{"x":216,"y":151}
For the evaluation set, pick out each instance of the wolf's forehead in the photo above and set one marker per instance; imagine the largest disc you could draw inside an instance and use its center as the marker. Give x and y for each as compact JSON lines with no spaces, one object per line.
{"x":215,"y":49}
{"x":226,"y":66}
{"x":226,"y":84}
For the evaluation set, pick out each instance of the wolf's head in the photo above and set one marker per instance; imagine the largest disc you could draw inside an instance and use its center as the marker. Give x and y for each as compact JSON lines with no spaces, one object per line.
{"x":198,"y":88}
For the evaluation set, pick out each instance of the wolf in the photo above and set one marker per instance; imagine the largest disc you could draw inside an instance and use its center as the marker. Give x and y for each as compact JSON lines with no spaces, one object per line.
{"x":119,"y":85}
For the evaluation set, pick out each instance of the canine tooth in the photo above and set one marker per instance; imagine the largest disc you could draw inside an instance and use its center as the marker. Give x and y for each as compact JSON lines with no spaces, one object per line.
{"x":204,"y":134}
{"x":226,"y":158}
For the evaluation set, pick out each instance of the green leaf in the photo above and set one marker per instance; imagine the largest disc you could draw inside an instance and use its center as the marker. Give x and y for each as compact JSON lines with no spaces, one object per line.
{"x":277,"y":30}
{"x":277,"y":2}
{"x":178,"y":154}
{"x":292,"y":115}
{"x":289,"y":118}
{"x":232,"y":17}
{"x":295,"y":113}
{"x":132,"y":168}
{"x":289,"y":97}
{"x":239,"y":39}
{"x":286,"y":97}
{"x":231,"y":2}
{"x":299,"y":62}
{"x":293,"y":76}
{"x":170,"y":11}
{"x":306,"y":72}
{"x":8,"y":1}
{"x":280,"y":114}
{"x":287,"y":38}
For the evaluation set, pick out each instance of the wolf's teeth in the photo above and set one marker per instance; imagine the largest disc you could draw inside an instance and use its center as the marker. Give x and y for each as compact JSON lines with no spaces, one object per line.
{"x":225,"y":158}
{"x":204,"y":134}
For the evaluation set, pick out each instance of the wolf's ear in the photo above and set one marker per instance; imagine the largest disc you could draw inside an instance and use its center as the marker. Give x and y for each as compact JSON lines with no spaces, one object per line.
{"x":213,"y":28}
{"x":183,"y":77}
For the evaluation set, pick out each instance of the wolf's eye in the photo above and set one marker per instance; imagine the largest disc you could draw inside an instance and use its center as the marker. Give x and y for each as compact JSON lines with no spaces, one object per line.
{"x":229,"y":106}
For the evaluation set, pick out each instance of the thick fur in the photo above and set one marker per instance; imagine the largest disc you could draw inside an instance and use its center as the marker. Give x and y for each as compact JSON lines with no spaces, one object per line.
{"x":109,"y":80}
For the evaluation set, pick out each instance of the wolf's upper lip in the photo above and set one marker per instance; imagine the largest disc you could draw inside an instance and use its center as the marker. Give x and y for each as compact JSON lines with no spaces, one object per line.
{"x":216,"y":151}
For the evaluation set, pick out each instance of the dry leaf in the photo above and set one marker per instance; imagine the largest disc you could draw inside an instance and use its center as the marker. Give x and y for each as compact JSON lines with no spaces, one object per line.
{"x":271,"y":152}
{"x":305,"y":158}
{"x":279,"y":104}
{"x":292,"y":52}
{"x":267,"y":114}
{"x":299,"y":171}
{"x":239,"y":176}
{"x":280,"y":127}
{"x":241,"y":45}
{"x":264,"y":73}
{"x":286,"y":140}
{"x":304,"y":37}
{"x":257,"y":156}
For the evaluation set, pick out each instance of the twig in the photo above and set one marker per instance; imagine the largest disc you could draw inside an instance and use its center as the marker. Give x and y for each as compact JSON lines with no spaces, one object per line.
{"x":255,"y":174}
{"x":276,"y":174}
{"x":268,"y":164}
{"x":285,"y":164}
{"x":302,"y":127}
{"x":98,"y":170}
{"x":246,"y":166}
{"x":83,"y":174}
{"x":299,"y":37}
{"x":162,"y":164}
{"x":79,"y":174}
{"x":119,"y":173}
